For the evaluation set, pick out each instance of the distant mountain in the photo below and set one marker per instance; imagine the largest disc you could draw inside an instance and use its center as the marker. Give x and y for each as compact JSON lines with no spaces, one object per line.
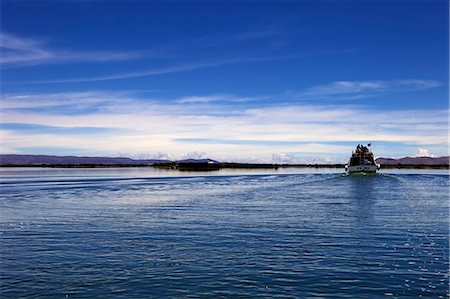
{"x":414,"y":161}
{"x":71,"y":160}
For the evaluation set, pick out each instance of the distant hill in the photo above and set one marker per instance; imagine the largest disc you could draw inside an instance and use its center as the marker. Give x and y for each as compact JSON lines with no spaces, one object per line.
{"x":429,"y":161}
{"x":70,"y":160}
{"x":47,"y":160}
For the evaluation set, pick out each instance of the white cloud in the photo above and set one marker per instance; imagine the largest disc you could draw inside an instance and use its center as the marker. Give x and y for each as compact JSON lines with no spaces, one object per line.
{"x":321,"y":160}
{"x":228,"y":131}
{"x":284,"y":158}
{"x":194,"y":155}
{"x":423,"y":152}
{"x":166,"y":156}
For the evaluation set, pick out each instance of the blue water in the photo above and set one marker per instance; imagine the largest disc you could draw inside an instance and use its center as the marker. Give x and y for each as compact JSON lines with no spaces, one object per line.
{"x":145,"y":233}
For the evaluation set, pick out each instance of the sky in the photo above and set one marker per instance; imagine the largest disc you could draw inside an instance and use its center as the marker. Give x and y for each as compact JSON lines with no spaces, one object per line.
{"x":243,"y":81}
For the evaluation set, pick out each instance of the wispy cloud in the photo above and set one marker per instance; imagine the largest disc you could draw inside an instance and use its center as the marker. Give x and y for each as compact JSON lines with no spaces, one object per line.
{"x":170,"y":69}
{"x":229,"y":98}
{"x":349,"y":90}
{"x":224,"y":38}
{"x":37,"y":129}
{"x":201,"y":99}
{"x":65,"y":103}
{"x":19,"y":51}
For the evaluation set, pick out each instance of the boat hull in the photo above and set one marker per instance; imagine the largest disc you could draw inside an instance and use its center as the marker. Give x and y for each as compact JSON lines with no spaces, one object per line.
{"x":362,"y":169}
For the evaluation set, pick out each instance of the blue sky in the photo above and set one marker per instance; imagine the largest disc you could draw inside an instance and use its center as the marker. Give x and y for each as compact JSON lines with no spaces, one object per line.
{"x":289,"y":81}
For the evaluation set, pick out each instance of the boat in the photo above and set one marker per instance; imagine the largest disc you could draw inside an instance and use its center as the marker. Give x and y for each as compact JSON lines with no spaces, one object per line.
{"x":362,"y":161}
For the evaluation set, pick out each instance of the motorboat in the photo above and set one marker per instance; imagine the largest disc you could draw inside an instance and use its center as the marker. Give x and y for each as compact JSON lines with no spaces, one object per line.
{"x":362,"y":161}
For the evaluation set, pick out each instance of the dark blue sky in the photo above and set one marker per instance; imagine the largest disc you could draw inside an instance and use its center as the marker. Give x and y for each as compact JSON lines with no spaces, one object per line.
{"x":222,"y":63}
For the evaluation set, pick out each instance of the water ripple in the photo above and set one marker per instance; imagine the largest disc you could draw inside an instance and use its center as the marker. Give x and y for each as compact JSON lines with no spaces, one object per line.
{"x":265,"y":235}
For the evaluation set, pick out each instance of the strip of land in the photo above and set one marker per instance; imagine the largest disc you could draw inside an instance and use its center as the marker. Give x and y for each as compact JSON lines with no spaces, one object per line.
{"x":197,"y":164}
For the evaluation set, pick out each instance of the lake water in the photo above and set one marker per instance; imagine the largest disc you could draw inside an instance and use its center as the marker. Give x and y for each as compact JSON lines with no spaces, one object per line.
{"x":291,"y":233}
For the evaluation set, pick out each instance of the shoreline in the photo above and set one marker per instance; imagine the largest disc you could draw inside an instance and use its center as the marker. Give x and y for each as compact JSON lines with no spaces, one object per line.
{"x":212,"y":167}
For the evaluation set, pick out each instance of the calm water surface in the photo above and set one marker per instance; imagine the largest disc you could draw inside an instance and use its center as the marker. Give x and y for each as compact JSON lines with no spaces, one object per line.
{"x":146,"y":233}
